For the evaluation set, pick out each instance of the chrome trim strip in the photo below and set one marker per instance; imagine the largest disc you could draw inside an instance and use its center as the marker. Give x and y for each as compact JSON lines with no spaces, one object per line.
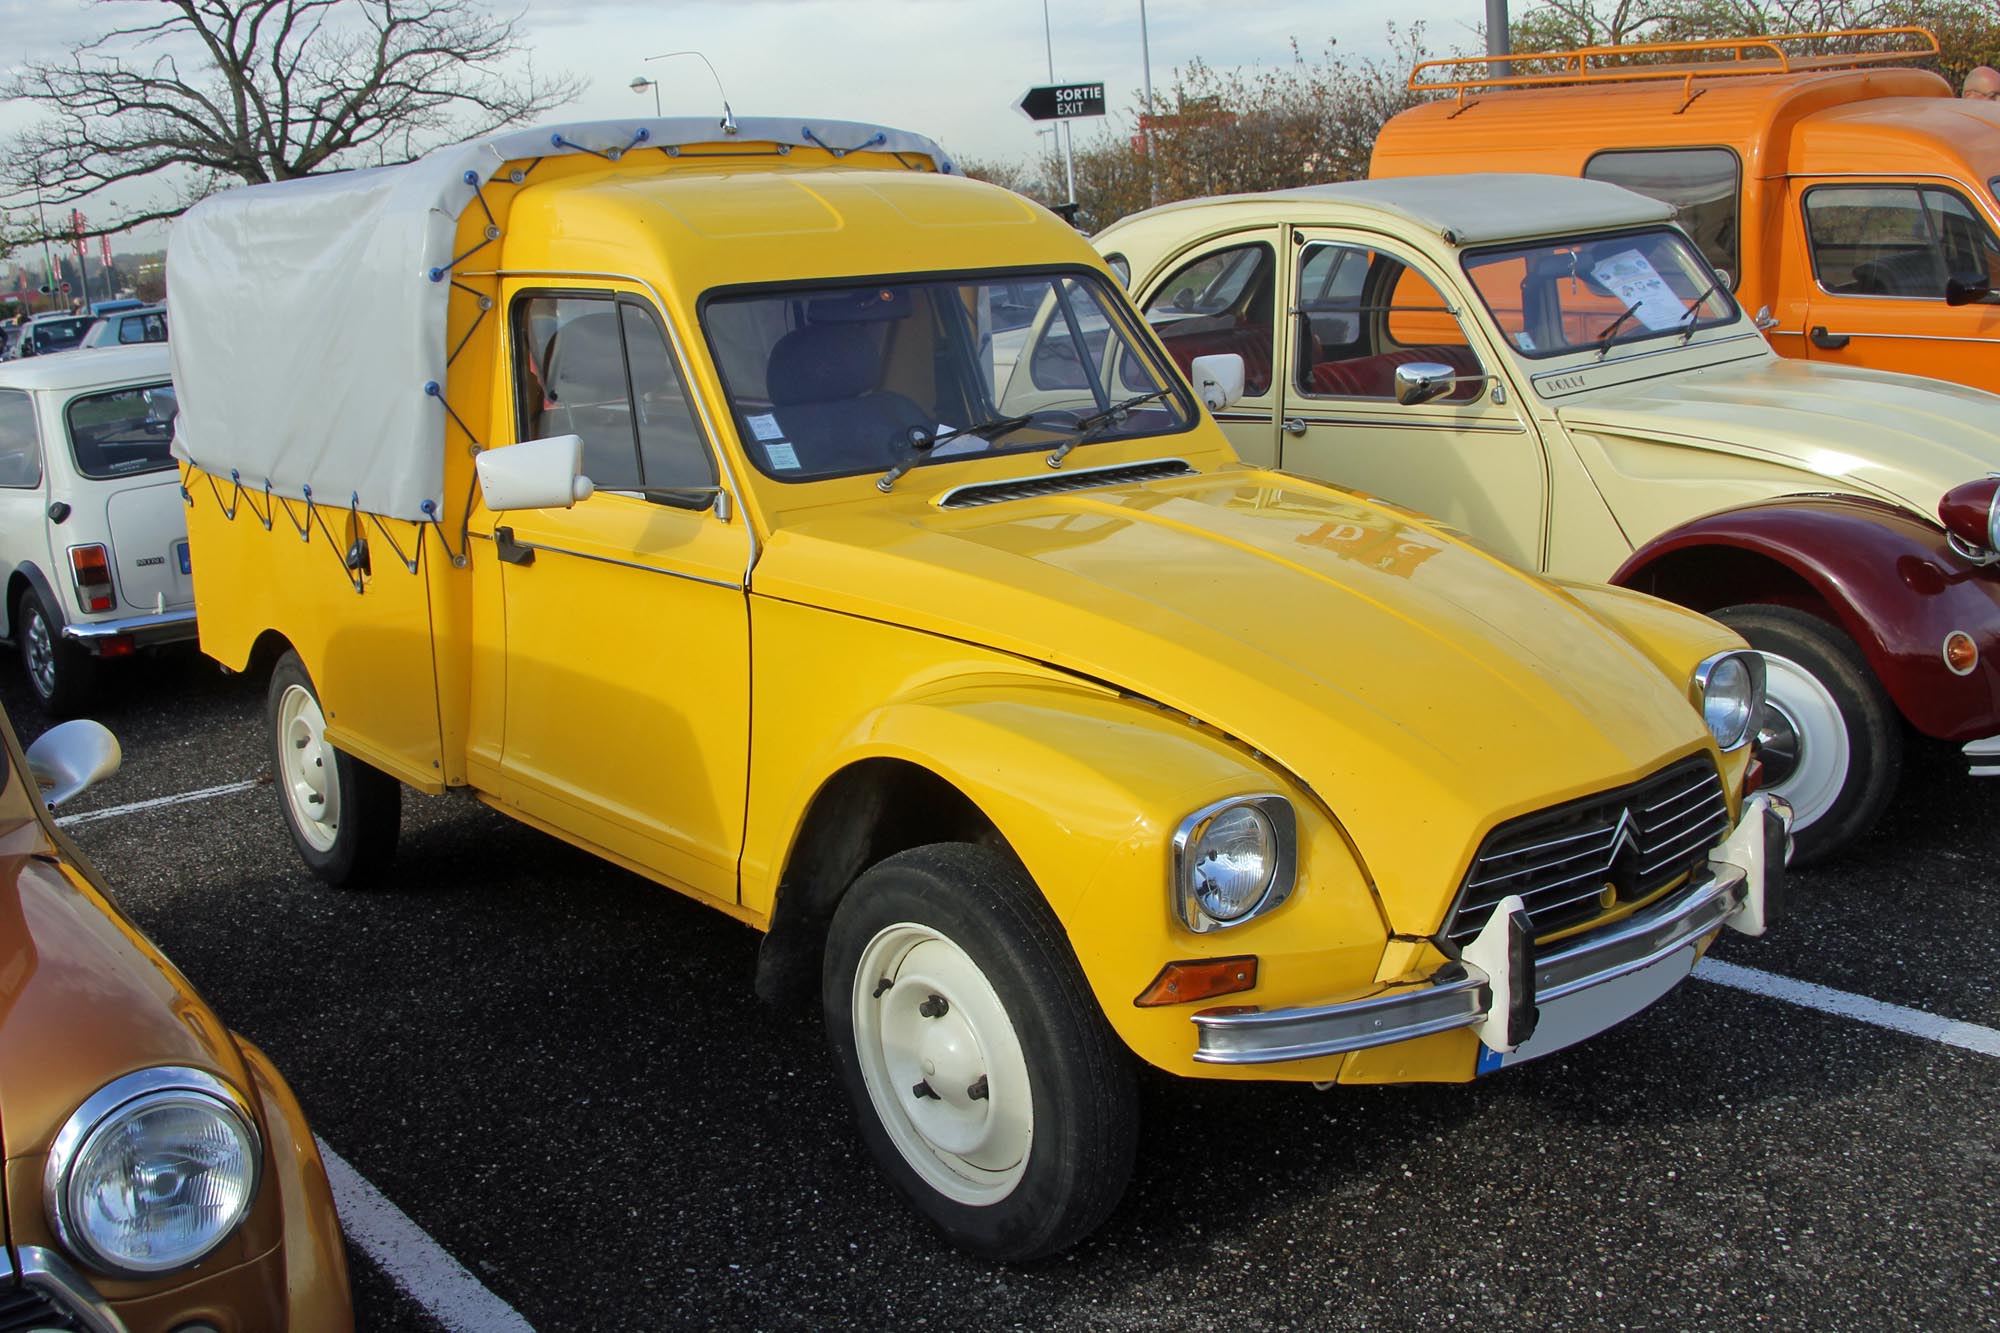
{"x":157,"y":626}
{"x":44,"y":1271}
{"x":1908,"y":337}
{"x":728,"y":473}
{"x":1386,"y":423}
{"x":1302,"y":1033}
{"x":1984,"y":757}
{"x":948,"y":498}
{"x":100,"y":1105}
{"x":625,"y":564}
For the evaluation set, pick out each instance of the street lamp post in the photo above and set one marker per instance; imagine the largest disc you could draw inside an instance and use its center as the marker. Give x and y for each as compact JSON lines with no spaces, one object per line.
{"x":641,"y":84}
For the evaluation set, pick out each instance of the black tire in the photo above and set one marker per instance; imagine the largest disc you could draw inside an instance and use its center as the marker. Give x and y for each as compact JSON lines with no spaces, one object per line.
{"x":1801,"y":760}
{"x":62,"y":674}
{"x":367,"y":803}
{"x":1077,"y":1157}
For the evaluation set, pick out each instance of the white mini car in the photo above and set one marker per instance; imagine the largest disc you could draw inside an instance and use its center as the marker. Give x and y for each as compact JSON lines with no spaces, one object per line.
{"x":93,"y":531}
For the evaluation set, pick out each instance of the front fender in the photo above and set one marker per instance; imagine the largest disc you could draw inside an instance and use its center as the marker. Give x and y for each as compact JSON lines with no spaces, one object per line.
{"x":1886,"y":577}
{"x":1087,"y":787}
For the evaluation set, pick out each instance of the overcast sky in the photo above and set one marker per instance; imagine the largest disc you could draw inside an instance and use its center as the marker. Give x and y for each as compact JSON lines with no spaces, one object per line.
{"x":948,"y":68}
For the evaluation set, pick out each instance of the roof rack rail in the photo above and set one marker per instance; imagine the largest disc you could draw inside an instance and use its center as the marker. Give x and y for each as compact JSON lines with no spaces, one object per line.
{"x":1780,"y":53}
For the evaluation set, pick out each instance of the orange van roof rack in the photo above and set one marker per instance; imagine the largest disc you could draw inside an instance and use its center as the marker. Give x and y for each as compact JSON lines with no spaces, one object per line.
{"x":1780,"y":53}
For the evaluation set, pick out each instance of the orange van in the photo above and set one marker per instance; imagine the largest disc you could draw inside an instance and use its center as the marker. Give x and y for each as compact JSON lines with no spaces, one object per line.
{"x":1848,"y":199}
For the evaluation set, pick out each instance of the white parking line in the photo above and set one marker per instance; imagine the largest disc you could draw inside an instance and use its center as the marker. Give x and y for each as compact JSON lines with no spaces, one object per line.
{"x":204,"y":794}
{"x":1895,"y":1017}
{"x":415,"y":1262}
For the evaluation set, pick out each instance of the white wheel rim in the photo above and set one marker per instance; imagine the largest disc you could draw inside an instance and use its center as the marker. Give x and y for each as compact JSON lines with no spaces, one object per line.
{"x":41,"y":653}
{"x":1825,"y":756}
{"x":971,"y":1148}
{"x":307,"y":774}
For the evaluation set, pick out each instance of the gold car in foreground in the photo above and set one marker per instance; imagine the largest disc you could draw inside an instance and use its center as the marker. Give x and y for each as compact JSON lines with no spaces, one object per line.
{"x":160,"y":1177}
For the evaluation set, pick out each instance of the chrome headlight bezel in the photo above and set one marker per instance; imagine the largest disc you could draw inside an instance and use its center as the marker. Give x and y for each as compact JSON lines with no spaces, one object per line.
{"x":1705,"y":674}
{"x":1281,"y":878}
{"x":116,"y":1103}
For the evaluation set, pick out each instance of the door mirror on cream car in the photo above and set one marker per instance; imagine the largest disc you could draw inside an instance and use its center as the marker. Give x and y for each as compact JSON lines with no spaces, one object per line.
{"x":534,"y":474}
{"x":1421,"y":381}
{"x":68,"y":759}
{"x":1218,"y":378}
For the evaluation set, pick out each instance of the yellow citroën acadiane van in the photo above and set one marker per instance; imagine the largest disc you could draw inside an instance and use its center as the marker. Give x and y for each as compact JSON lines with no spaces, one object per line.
{"x":778,"y":515}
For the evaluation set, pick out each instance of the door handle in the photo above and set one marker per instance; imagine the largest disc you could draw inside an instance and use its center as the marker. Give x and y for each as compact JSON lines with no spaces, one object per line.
{"x":510,"y":551}
{"x":1295,"y":426}
{"x":1832,"y":342}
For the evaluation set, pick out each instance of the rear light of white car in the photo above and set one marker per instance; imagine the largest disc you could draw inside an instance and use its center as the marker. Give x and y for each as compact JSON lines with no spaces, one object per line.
{"x":91,"y":567}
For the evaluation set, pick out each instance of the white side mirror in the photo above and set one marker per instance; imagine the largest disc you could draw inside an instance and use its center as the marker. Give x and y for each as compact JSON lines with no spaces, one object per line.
{"x":534,"y":474}
{"x":67,"y":759}
{"x":1218,"y":379}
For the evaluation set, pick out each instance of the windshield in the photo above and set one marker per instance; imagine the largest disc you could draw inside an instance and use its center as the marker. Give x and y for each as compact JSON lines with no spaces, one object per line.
{"x":1590,"y":294}
{"x":123,"y":432}
{"x":893,"y":373}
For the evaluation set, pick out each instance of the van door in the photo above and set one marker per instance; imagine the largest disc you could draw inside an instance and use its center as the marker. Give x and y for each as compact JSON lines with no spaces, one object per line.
{"x":1361,"y":309}
{"x":1880,"y":253}
{"x":627,"y":660}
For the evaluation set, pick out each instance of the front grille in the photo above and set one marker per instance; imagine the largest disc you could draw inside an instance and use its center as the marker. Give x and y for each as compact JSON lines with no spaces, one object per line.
{"x":23,"y":1309}
{"x":1628,"y":843}
{"x":1021,"y":488}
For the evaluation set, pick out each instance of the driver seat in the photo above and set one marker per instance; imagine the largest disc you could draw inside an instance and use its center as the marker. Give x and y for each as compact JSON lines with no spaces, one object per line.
{"x":825,"y":386}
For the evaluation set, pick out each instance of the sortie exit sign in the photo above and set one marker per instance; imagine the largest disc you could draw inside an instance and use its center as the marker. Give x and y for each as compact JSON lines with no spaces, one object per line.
{"x":1062,"y":101}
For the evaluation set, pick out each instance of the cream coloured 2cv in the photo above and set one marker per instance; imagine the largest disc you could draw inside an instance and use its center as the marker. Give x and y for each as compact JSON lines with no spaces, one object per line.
{"x":1549,"y":365}
{"x":692,"y":493}
{"x":93,"y":536}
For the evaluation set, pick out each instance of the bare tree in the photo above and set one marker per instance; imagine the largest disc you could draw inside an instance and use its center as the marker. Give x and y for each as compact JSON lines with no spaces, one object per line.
{"x":221,"y":92}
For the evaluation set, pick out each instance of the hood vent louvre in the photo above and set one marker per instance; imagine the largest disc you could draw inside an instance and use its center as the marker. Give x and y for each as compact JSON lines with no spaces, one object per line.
{"x":1083,"y":479}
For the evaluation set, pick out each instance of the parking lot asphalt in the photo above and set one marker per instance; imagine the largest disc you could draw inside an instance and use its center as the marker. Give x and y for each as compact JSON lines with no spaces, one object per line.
{"x":558,"y":1071}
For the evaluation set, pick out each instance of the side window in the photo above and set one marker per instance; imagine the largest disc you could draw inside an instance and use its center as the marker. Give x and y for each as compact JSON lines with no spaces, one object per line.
{"x":1364,"y":313}
{"x":1896,"y":240}
{"x":20,"y":450}
{"x":1969,"y":248}
{"x":1225,"y":301}
{"x":599,"y":368}
{"x":671,"y":449}
{"x":1705,"y":184}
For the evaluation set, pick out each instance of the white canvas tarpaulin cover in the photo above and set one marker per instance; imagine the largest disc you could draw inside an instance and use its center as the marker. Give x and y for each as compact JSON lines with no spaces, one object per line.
{"x":309,"y":315}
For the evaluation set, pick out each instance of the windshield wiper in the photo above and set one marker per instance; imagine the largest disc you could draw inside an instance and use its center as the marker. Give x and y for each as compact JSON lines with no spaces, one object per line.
{"x":1687,"y":320}
{"x":1097,"y":421}
{"x":1611,"y":329}
{"x":922,"y":442}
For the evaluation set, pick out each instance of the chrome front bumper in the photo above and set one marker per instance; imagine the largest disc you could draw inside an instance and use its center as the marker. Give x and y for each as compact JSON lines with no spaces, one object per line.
{"x":144,"y":631}
{"x":1983,"y":757}
{"x":1743,"y":888}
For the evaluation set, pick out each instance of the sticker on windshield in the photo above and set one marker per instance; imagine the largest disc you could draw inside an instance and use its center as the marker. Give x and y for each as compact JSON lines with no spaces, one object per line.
{"x":781,"y":454}
{"x":1636,"y":283}
{"x":1525,"y":340}
{"x":765,"y":427}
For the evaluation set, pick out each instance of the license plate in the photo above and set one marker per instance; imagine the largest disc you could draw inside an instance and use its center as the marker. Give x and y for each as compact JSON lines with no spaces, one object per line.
{"x":1586,"y":1013}
{"x":181,"y":553}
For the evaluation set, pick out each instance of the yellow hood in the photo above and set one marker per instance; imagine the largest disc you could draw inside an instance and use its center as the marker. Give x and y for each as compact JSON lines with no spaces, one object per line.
{"x":1896,"y":437}
{"x":1422,"y":689}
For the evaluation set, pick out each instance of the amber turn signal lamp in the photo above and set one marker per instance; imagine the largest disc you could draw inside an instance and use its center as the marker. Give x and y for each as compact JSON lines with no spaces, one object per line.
{"x":91,"y":568}
{"x":1961,"y":654}
{"x":1971,"y":514}
{"x":1199,"y":979}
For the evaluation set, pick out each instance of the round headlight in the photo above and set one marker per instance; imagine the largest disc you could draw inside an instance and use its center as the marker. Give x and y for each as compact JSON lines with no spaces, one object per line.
{"x":1732,"y":690}
{"x":153,"y":1172}
{"x":1233,"y":860}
